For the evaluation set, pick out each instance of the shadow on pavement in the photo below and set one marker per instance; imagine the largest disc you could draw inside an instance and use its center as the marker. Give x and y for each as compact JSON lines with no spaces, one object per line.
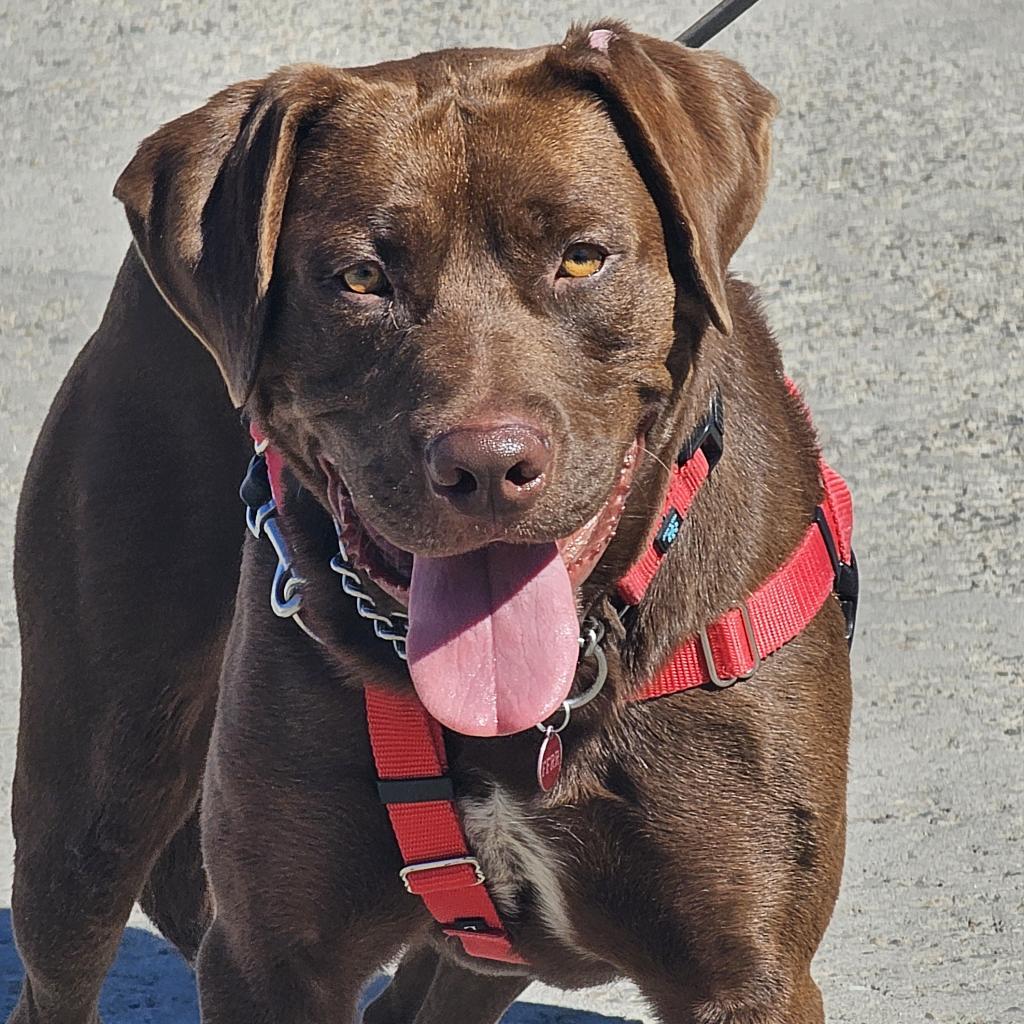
{"x":151,"y":984}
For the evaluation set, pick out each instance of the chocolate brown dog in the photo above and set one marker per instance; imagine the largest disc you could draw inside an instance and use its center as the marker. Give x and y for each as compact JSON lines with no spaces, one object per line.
{"x":477,"y":299}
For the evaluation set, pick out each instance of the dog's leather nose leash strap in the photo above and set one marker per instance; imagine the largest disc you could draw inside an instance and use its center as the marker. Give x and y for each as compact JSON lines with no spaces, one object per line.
{"x":408,"y":749}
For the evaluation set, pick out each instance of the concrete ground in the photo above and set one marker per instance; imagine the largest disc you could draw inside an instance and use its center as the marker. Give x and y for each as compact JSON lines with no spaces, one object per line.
{"x":890,"y":256}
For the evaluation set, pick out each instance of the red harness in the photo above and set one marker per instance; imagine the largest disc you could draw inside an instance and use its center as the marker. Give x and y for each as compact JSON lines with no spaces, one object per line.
{"x":408,"y":745}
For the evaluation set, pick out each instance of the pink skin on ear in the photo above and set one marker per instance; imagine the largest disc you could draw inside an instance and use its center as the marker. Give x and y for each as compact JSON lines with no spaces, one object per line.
{"x":600,"y":38}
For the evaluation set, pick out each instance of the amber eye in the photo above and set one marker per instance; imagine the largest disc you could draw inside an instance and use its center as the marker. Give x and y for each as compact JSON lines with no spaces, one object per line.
{"x":365,"y":279}
{"x":581,"y":261}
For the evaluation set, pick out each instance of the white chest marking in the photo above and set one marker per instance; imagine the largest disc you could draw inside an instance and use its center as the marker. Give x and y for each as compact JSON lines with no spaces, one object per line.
{"x":512,"y":854}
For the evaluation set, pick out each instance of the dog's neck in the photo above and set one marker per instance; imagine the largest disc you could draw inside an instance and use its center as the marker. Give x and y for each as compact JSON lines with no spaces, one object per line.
{"x":754,"y":507}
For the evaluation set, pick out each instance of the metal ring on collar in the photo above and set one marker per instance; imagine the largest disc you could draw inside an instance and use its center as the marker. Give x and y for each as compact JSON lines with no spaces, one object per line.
{"x":597,"y":686}
{"x":590,"y":641}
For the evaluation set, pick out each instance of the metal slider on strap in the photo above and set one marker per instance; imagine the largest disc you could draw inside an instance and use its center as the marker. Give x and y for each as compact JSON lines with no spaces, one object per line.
{"x":437,"y":865}
{"x":723,"y":682}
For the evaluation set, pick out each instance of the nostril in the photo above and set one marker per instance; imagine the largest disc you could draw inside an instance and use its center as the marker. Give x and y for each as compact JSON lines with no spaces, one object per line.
{"x":522,"y":473}
{"x":465,"y":483}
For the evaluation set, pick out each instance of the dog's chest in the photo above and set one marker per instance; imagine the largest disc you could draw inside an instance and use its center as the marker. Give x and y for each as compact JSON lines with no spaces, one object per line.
{"x":523,"y":869}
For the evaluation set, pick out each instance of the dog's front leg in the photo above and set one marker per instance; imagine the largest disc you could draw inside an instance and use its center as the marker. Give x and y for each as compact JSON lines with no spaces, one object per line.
{"x":245,"y":979}
{"x":302,"y":864}
{"x":431,"y":989}
{"x":303,"y":916}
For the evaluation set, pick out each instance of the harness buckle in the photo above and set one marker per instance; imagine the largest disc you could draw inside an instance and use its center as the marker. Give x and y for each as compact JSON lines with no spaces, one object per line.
{"x":847,"y":576}
{"x":709,"y":658}
{"x":435,"y":865}
{"x":708,"y":436}
{"x":470,"y":925}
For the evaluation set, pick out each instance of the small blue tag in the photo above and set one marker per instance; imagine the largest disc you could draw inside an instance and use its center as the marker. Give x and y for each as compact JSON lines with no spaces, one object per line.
{"x":668,"y":531}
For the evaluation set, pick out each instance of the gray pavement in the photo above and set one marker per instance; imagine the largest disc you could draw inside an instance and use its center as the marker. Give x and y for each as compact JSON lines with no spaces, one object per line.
{"x":890,"y":256}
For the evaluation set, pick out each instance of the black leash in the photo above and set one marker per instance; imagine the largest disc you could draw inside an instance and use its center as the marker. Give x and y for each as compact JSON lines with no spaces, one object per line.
{"x":713,"y":22}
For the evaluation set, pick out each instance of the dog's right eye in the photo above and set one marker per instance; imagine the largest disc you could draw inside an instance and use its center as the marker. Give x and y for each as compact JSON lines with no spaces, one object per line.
{"x":365,"y":279}
{"x":581,"y":260}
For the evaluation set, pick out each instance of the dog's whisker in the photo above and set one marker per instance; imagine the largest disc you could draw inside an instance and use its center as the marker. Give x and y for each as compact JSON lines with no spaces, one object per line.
{"x":651,"y":455}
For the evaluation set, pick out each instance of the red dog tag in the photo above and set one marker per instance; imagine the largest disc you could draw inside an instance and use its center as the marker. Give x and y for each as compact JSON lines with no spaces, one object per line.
{"x":549,"y":761}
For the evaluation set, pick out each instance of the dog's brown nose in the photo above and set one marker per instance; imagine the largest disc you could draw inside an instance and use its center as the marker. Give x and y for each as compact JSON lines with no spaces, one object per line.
{"x":490,"y":469}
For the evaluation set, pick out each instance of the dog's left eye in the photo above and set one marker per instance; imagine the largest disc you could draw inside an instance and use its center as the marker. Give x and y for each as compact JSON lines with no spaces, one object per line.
{"x":581,"y":261}
{"x":364,"y":279}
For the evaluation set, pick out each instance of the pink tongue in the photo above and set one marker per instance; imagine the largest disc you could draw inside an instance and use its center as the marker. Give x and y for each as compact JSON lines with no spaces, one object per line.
{"x":493,"y":637}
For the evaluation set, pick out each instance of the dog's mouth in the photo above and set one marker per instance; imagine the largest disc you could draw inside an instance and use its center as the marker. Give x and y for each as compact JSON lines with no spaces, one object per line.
{"x":493,"y":631}
{"x":391,"y":567}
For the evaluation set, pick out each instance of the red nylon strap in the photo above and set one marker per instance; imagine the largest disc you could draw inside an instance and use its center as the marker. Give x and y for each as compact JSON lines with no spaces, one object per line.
{"x":781,"y":608}
{"x":685,"y":482}
{"x":408,"y":744}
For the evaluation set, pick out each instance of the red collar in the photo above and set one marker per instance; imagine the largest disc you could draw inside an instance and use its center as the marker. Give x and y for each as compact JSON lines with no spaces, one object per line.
{"x":408,"y":745}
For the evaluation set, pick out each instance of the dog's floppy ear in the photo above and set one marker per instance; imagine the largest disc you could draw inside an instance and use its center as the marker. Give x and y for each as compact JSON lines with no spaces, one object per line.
{"x":698,"y":128}
{"x":205,"y":197}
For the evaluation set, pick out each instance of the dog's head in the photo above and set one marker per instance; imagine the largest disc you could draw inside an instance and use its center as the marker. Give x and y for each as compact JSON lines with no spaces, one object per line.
{"x":462,"y":293}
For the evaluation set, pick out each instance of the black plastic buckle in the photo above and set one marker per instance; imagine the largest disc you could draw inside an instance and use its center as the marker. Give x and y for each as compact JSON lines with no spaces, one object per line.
{"x":847,"y":578}
{"x":469,"y":924}
{"x":708,"y":435}
{"x":416,"y":791}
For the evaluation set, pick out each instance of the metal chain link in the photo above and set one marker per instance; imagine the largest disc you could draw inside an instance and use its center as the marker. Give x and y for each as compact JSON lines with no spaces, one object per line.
{"x":286,"y":598}
{"x":286,"y":587}
{"x":393,"y":628}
